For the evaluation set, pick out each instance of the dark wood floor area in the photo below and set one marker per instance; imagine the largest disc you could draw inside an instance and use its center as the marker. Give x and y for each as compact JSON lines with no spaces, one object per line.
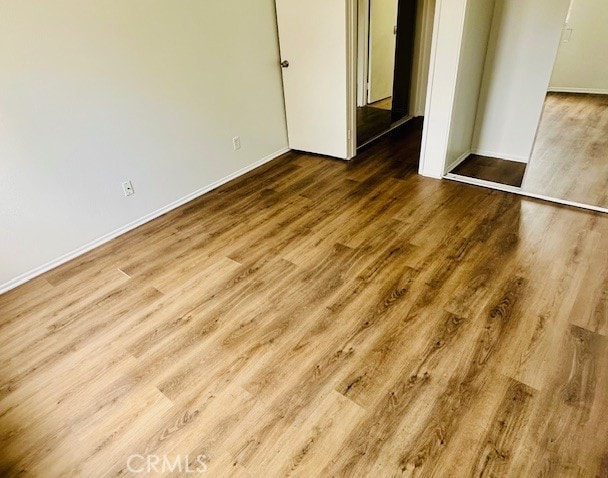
{"x":570,"y":158}
{"x":320,"y":318}
{"x":494,"y":170}
{"x":371,"y":122}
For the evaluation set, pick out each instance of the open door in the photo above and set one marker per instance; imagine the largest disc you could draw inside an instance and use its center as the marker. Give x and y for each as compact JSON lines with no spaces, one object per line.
{"x":316,"y":40}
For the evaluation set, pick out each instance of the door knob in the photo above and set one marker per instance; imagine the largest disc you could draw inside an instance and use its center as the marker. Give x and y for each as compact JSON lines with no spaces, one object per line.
{"x":285,"y":64}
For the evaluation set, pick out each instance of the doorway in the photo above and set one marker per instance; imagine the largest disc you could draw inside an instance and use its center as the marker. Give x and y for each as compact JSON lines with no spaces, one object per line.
{"x":329,"y":60}
{"x":390,"y":47}
{"x":568,"y":160}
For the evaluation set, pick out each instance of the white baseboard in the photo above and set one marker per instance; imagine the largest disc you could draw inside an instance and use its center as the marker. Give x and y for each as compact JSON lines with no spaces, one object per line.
{"x":458,"y":161}
{"x":588,"y":91}
{"x":493,"y":154}
{"x":23,"y":278}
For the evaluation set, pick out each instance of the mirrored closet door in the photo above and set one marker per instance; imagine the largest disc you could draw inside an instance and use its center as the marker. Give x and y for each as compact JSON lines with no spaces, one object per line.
{"x":568,"y":162}
{"x":385,"y":57}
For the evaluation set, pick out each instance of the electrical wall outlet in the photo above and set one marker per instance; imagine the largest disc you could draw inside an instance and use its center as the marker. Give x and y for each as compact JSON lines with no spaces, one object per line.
{"x":127,"y":188}
{"x":236,"y":143}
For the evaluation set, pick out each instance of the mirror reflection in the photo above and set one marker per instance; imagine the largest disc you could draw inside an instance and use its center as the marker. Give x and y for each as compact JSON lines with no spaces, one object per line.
{"x":569,"y":160}
{"x":384,"y":61}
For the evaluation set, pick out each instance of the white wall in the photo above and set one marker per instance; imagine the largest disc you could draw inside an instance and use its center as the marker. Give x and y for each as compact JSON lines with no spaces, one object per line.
{"x":425,"y":14}
{"x":521,"y":54}
{"x":475,"y":38}
{"x":581,"y":64}
{"x":94,"y":93}
{"x":448,"y":31}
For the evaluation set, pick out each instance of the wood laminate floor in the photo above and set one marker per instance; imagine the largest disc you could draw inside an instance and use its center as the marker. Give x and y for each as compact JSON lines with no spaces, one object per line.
{"x":371,"y":122}
{"x":570,"y":158}
{"x":320,"y":318}
{"x":386,"y":104}
{"x":494,"y":170}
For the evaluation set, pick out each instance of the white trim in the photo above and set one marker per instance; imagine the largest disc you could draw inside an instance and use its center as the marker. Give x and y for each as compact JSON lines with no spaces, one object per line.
{"x":423,"y":48}
{"x":494,"y":154}
{"x":520,"y":192}
{"x":351,"y":78}
{"x":422,"y":166}
{"x":482,"y":182}
{"x":459,"y":160}
{"x":362,"y":50}
{"x":588,"y":91}
{"x":438,"y":170}
{"x":457,"y":83}
{"x":23,"y":278}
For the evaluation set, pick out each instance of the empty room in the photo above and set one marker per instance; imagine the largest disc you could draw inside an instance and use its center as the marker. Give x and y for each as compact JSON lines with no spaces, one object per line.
{"x":267,"y":238}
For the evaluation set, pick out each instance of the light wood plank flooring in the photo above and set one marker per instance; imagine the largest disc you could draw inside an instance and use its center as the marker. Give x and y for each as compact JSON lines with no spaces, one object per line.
{"x":570,"y":158}
{"x":386,"y":104}
{"x":320,"y":318}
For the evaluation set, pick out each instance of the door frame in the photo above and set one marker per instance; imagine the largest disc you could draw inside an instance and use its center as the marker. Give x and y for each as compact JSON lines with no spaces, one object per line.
{"x":422,"y":53}
{"x":362,"y":51}
{"x":358,"y":15}
{"x":443,"y":70}
{"x":351,"y":76}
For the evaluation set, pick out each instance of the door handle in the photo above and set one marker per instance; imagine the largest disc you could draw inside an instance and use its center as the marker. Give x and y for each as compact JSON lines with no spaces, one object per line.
{"x":285,"y":64}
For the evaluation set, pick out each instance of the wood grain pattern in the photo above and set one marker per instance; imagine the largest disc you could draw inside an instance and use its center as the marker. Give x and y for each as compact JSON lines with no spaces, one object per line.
{"x":569,"y":157}
{"x":494,"y":170}
{"x":320,"y":318}
{"x":372,"y":121}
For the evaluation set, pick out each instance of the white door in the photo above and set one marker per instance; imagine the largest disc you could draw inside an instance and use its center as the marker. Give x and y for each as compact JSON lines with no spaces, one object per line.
{"x":316,"y":38}
{"x":382,"y":43}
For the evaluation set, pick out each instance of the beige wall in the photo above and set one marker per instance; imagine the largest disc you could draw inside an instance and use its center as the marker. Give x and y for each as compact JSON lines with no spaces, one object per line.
{"x":582,"y":64}
{"x":93,"y":93}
